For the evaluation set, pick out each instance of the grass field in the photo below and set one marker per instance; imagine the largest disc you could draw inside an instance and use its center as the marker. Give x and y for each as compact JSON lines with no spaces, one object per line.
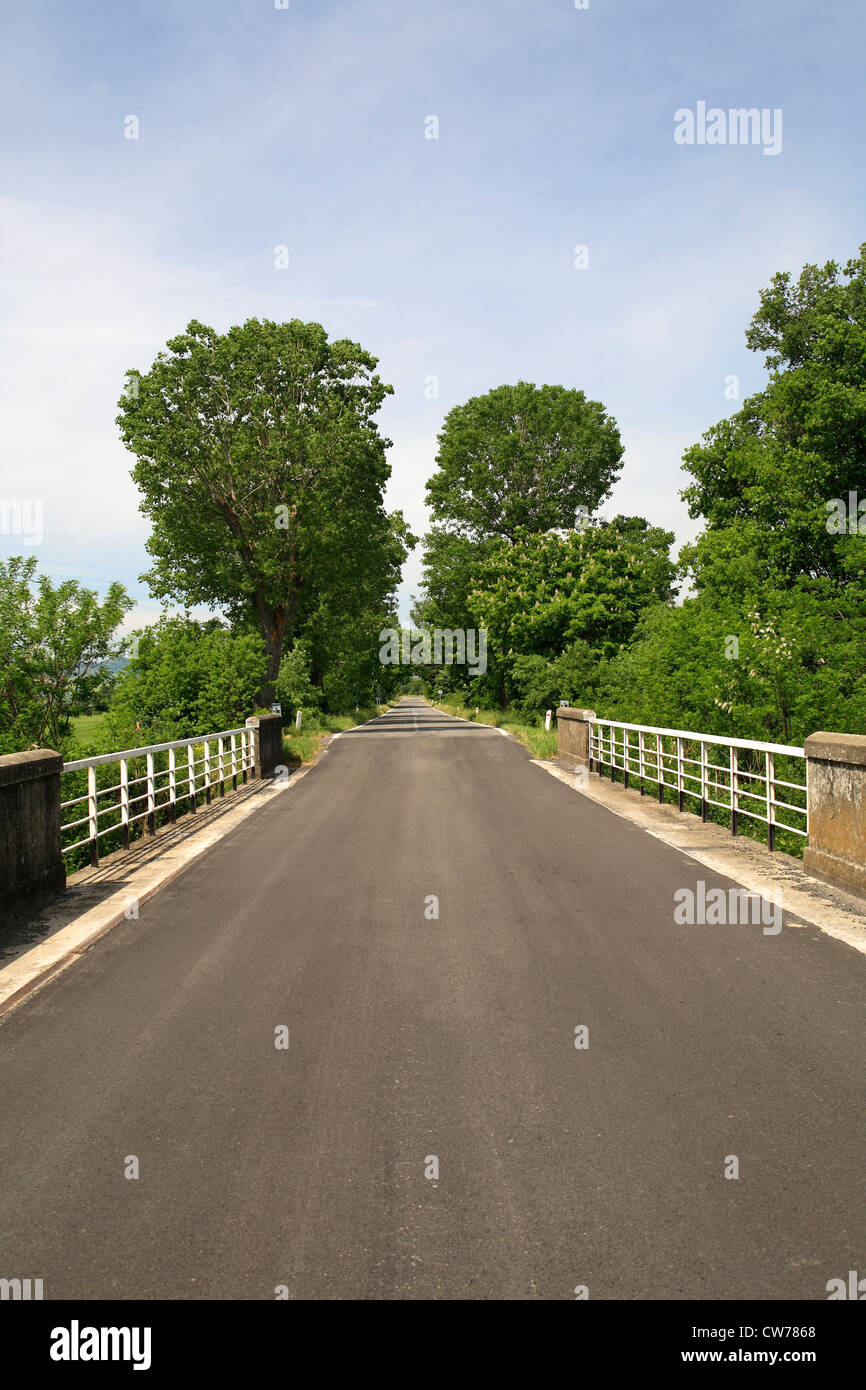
{"x":86,"y":727}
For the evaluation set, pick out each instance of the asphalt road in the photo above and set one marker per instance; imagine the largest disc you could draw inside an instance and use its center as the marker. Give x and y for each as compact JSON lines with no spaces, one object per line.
{"x":412,"y":1037}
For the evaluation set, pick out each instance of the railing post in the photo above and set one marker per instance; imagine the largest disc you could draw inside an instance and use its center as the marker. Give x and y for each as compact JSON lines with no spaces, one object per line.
{"x":92,"y":817}
{"x":124,"y":800}
{"x":641,"y":758}
{"x":770,"y":769}
{"x":221,"y":771}
{"x":190,"y":764}
{"x":151,"y":797}
{"x":681,"y":800}
{"x":172,"y":784}
{"x":625,"y":750}
{"x":233,"y":746}
{"x":735,"y":794}
{"x":660,"y":766}
{"x":704,"y":788}
{"x":207,"y":771}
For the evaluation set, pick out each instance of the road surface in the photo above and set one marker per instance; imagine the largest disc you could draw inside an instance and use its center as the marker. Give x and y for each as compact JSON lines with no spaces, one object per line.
{"x":413,"y":1037}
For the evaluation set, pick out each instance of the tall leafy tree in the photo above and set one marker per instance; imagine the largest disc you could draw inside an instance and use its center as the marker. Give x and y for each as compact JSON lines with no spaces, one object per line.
{"x":520,"y":460}
{"x":262,"y":470}
{"x":773,"y":641}
{"x":772,"y":468}
{"x":524,"y":457}
{"x":54,"y":640}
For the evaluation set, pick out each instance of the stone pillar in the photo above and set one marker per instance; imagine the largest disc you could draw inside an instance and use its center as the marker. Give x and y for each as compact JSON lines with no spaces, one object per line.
{"x":267,"y":743}
{"x":572,"y":736}
{"x":836,"y":777}
{"x":31,"y":865}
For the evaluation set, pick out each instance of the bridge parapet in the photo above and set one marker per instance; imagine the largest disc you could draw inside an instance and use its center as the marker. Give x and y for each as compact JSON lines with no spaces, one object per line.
{"x":31,"y":864}
{"x":837,"y":810}
{"x":267,"y":743}
{"x":573,"y":736}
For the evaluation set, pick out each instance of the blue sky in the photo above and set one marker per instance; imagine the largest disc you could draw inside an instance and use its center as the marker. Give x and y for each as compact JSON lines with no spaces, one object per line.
{"x":453,"y":257}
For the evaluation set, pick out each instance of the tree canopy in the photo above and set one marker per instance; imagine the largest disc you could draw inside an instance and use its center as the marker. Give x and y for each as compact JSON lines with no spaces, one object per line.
{"x":546,"y":591}
{"x":262,"y":471}
{"x":772,"y":643}
{"x":54,"y":641}
{"x":772,"y":468}
{"x":524,"y":457}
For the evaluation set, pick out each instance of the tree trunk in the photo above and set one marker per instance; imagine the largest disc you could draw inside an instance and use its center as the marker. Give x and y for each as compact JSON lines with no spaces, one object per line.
{"x":274,"y":624}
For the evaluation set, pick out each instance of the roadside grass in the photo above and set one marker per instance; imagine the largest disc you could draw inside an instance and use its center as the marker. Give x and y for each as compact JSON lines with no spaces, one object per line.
{"x":303,"y":747}
{"x":533,"y":735}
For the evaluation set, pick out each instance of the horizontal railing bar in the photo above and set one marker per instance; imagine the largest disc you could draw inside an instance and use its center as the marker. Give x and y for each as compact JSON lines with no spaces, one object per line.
{"x":720,"y":740}
{"x":67,"y":849}
{"x":743,"y":774}
{"x":154,"y":748}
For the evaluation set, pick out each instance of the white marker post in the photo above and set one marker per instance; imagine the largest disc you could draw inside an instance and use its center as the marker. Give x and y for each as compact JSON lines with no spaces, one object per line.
{"x":547,"y":718}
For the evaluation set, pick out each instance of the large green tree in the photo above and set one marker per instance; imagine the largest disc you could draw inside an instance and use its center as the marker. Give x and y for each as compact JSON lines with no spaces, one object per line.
{"x":524,"y":457}
{"x":262,"y":471}
{"x":773,"y":640}
{"x":54,"y":641}
{"x":772,"y":469}
{"x":520,"y":460}
{"x":556,"y":606}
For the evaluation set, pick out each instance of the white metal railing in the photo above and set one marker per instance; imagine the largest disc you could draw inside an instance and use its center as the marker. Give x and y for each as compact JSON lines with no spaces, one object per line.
{"x":682,"y":761}
{"x":200,"y":770}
